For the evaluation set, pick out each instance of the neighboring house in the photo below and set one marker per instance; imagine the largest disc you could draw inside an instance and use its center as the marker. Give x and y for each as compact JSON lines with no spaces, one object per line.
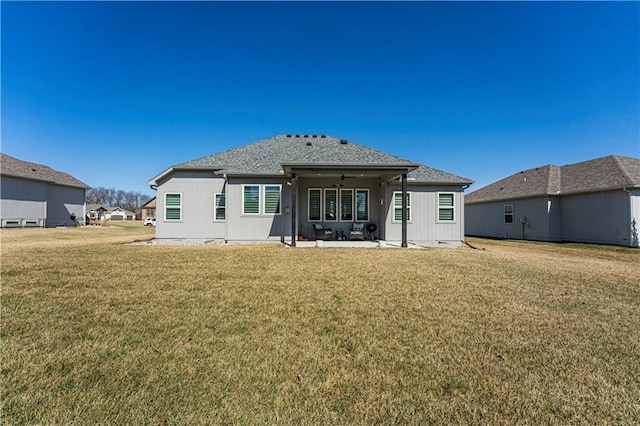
{"x":36,"y":195}
{"x":149,"y":209}
{"x":118,"y":213}
{"x":96,"y":212}
{"x":596,"y":201}
{"x":277,"y":189}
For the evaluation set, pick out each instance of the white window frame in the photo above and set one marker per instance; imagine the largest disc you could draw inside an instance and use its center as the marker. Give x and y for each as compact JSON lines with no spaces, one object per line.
{"x":512,"y":214}
{"x":324,"y":204}
{"x":244,"y":213}
{"x":179,"y":207}
{"x":393,"y":200}
{"x":263,"y":199}
{"x":453,"y":207}
{"x":368,"y":205}
{"x":352,"y":205}
{"x":320,"y":201}
{"x":215,"y":206}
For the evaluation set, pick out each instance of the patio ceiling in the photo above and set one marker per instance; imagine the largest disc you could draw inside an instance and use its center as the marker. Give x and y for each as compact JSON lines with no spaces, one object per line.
{"x":351,"y":169}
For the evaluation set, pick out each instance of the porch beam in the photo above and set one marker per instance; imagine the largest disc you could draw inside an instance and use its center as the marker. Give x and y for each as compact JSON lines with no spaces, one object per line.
{"x":404,"y":210}
{"x":294,"y":197}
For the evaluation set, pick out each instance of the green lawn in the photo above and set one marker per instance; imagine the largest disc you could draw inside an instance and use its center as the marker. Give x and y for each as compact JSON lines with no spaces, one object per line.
{"x":94,"y":331}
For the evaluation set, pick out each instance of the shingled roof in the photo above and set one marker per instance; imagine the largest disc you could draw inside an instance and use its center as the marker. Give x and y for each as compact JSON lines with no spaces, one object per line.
{"x":611,"y":172}
{"x":10,"y":166}
{"x":267,"y":156}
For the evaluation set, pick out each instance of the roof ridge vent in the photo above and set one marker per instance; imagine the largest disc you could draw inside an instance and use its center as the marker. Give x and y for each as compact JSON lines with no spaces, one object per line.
{"x":343,"y":141}
{"x":323,"y":136}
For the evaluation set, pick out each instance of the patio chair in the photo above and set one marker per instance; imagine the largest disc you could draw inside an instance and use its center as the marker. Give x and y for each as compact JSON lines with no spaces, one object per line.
{"x":357,"y":231}
{"x":321,"y":232}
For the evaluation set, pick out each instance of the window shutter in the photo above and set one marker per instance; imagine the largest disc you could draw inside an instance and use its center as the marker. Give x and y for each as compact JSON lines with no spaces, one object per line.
{"x":173,"y":205}
{"x":346,"y":204}
{"x":314,"y":204}
{"x":330,"y":204}
{"x":445,"y":207}
{"x":220,"y":207}
{"x":251,"y":198}
{"x":271,"y":200}
{"x":362,"y":205}
{"x":397,"y":206}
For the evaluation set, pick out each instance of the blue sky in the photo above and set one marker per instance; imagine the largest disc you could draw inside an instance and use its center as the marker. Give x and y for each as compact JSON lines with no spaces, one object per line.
{"x":116,"y":92}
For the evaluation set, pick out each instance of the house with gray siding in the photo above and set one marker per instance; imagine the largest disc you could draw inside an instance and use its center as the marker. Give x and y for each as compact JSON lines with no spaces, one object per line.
{"x":595,"y":201}
{"x":35,"y":195}
{"x":284,"y":187}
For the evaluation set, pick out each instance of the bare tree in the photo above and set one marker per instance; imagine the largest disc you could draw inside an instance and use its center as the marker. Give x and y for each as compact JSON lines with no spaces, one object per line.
{"x":111,"y":197}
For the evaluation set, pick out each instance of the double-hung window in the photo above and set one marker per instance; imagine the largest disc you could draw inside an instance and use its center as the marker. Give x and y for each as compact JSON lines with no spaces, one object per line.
{"x":172,"y":206}
{"x":446,"y":207}
{"x":397,"y":206}
{"x":508,"y":213}
{"x":220,"y":206}
{"x":346,"y":205}
{"x":315,"y":196}
{"x":362,"y":205}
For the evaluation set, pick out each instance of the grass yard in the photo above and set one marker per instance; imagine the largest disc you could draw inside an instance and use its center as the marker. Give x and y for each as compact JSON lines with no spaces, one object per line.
{"x":97,"y":332}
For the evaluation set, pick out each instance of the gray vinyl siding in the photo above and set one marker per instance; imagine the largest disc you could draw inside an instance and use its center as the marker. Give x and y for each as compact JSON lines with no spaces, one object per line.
{"x":62,"y":203}
{"x":424,"y":227}
{"x":197,"y":222}
{"x":598,"y":217}
{"x":47,"y":204}
{"x":541,"y":213}
{"x":23,"y":199}
{"x":635,"y":217}
{"x":257,"y":227}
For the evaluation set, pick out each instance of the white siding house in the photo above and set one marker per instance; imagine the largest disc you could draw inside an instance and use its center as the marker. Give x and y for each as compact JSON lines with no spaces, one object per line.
{"x":282,"y":188}
{"x":35,"y":195}
{"x":594,"y":201}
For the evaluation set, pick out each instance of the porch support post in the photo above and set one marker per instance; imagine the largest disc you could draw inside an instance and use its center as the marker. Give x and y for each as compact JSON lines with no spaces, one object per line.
{"x":404,"y":210}
{"x":294,"y":202}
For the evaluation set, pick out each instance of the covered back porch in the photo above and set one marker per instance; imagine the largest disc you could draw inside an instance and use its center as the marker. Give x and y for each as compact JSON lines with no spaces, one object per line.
{"x":338,"y":203}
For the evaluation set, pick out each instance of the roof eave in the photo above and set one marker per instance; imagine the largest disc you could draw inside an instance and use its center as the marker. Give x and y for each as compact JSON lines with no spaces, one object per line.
{"x":519,"y":197}
{"x":154,"y":181}
{"x":610,"y":188}
{"x":82,"y":185}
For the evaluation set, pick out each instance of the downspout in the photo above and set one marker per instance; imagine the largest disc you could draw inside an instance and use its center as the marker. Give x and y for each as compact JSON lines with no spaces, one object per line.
{"x":226,"y":212}
{"x":465,"y":186}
